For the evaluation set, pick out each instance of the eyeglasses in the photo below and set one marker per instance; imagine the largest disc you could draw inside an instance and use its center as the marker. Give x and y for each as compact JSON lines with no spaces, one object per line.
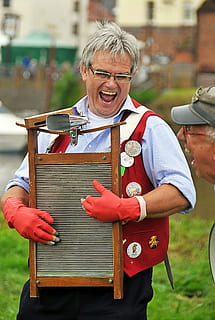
{"x":104,"y":75}
{"x":187,"y":130}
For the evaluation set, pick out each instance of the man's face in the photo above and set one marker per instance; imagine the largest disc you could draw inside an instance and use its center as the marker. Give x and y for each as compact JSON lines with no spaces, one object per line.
{"x":202,"y":149}
{"x":106,"y":96}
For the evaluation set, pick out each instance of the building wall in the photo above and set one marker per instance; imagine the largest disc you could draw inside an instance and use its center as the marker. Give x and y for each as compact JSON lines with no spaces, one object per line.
{"x":45,"y":16}
{"x":170,"y":40}
{"x":206,"y":42}
{"x":55,"y":17}
{"x":168,"y":33}
{"x":60,"y":19}
{"x":167,"y":13}
{"x":166,"y":41}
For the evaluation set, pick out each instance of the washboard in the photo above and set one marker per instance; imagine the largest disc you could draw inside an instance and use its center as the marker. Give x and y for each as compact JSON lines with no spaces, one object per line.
{"x":90,"y":252}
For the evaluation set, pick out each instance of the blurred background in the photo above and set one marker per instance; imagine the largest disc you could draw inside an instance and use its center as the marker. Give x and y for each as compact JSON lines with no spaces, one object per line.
{"x":41,"y":43}
{"x":40,"y":46}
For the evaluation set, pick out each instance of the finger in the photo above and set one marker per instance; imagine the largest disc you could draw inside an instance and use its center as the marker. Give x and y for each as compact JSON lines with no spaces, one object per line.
{"x":37,"y":239}
{"x":53,"y":242}
{"x":44,"y":237}
{"x":45,"y":215}
{"x":82,"y":202}
{"x":46,"y":228}
{"x":56,"y":239}
{"x":50,"y":242}
{"x":98,"y":186}
{"x":87,"y":205}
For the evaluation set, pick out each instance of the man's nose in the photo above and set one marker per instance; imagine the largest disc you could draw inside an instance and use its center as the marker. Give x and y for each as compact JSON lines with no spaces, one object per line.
{"x":111,"y":79}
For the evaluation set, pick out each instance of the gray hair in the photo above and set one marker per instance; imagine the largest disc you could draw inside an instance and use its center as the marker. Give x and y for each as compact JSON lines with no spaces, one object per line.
{"x":211,"y":132}
{"x":110,"y":37}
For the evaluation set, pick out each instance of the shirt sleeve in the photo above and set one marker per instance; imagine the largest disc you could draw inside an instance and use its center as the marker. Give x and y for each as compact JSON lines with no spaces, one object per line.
{"x":164,"y":159}
{"x":21,"y":176}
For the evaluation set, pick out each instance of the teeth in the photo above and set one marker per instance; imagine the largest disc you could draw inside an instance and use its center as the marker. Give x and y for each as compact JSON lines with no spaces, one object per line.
{"x":109,"y":93}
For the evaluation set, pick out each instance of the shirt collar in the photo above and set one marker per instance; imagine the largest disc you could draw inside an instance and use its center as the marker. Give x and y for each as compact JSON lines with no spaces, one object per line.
{"x":82,"y":106}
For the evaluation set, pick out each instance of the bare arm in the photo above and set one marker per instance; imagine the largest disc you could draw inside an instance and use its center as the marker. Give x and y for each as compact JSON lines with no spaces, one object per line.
{"x":164,"y":201}
{"x":16,"y":192}
{"x":161,"y":202}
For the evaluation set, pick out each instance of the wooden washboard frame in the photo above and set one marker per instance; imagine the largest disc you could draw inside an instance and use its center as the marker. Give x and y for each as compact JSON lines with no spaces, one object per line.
{"x":51,"y":188}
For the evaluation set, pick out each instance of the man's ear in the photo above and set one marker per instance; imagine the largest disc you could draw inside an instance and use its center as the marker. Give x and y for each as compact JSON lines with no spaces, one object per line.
{"x":83,"y":71}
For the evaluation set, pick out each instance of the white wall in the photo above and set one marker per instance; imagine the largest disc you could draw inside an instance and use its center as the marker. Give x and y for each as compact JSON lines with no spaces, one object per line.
{"x":51,"y":16}
{"x":168,"y":13}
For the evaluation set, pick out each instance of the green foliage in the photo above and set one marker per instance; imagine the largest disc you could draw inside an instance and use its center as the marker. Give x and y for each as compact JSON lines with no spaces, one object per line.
{"x":162,"y":102}
{"x":67,"y":90}
{"x":171,"y":98}
{"x":144,"y":96}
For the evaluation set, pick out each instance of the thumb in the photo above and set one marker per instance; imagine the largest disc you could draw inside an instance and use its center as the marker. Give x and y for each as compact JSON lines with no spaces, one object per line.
{"x":99,"y":187}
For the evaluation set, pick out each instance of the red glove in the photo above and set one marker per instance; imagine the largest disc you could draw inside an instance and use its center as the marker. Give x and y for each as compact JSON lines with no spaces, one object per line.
{"x":29,"y":222}
{"x":110,"y":207}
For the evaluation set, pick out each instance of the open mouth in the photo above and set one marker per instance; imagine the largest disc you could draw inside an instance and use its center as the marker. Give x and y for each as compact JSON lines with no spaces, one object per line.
{"x":107,"y":96}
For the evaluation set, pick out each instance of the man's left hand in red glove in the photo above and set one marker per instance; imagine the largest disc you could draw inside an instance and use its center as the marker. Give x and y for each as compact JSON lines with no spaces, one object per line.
{"x":110,"y":207}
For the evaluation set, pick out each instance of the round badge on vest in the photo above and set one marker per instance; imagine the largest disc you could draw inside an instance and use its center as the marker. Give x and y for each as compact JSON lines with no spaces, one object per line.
{"x":133,"y":189}
{"x":134,"y":250}
{"x":153,"y":242}
{"x":126,"y":160}
{"x":133,"y":148}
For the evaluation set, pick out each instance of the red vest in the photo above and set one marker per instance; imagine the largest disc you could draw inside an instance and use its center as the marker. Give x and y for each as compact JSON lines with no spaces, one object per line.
{"x":145,"y":243}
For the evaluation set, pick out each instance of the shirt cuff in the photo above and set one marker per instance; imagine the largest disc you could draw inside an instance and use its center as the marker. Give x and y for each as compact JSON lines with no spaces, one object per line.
{"x":142,"y":204}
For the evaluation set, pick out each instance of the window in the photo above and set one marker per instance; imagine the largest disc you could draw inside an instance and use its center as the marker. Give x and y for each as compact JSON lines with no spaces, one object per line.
{"x":6,"y":3}
{"x":75,"y":29}
{"x":10,"y":24}
{"x":150,"y":10}
{"x":188,"y":12}
{"x":168,"y":1}
{"x":76,"y":6}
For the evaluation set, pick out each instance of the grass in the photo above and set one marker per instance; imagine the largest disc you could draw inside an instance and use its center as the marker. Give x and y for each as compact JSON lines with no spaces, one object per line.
{"x":194,"y":294}
{"x":13,"y":270}
{"x":192,"y":299}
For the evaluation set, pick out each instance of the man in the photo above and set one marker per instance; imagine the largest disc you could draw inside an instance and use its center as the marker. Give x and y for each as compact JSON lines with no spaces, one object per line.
{"x":154,"y":167}
{"x":198,"y":131}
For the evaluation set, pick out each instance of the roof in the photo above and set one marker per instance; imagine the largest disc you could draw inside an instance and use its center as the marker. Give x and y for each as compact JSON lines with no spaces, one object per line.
{"x":207,"y":6}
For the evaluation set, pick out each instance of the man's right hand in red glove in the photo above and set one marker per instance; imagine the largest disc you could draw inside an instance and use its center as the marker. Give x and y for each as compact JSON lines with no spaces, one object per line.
{"x":31,"y":223}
